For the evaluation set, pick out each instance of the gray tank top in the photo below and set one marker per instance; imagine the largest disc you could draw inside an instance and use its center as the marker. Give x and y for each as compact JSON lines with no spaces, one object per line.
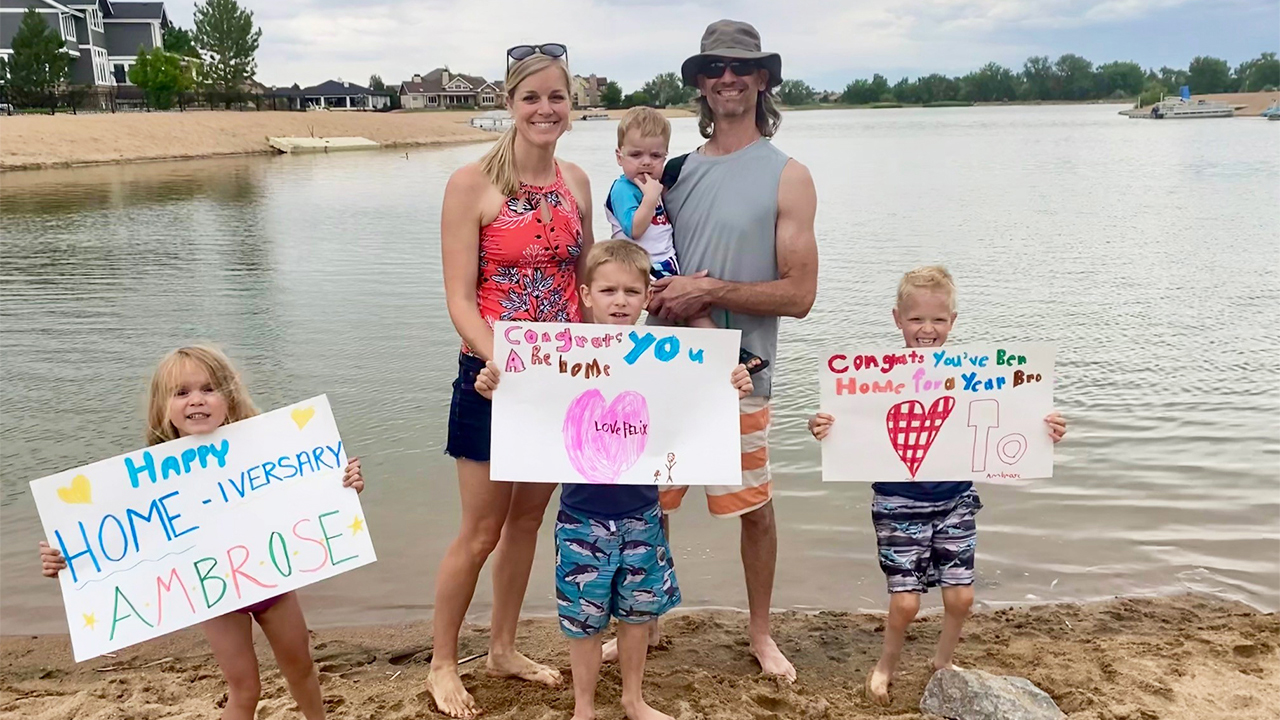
{"x":725,"y":212}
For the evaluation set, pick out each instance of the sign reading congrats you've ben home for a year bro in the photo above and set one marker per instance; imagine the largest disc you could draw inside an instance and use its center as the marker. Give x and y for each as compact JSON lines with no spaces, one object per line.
{"x":634,"y":405}
{"x":162,"y":538}
{"x":937,"y":414}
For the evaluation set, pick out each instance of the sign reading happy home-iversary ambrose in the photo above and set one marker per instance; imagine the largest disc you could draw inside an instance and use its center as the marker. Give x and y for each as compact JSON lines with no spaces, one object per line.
{"x":937,"y":414}
{"x":172,"y":535}
{"x":581,"y":403}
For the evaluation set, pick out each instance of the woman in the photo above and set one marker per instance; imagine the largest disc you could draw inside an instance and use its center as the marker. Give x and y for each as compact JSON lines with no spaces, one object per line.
{"x":513,"y":228}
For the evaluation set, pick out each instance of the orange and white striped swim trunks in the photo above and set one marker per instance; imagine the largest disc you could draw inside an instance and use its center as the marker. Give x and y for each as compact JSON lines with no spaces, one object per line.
{"x":756,"y":490}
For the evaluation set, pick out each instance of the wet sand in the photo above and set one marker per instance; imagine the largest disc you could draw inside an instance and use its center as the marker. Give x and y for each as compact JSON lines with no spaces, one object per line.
{"x":1187,"y":657}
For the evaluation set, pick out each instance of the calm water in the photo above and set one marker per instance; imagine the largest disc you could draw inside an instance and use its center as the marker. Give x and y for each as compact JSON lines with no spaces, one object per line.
{"x":1147,"y":251}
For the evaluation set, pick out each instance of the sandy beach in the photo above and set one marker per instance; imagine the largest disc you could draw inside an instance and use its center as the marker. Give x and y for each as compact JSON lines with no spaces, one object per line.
{"x":1180,"y":658}
{"x":43,"y":141}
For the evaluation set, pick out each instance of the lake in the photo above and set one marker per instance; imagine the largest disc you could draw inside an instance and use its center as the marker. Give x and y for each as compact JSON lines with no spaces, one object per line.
{"x":1147,"y":251}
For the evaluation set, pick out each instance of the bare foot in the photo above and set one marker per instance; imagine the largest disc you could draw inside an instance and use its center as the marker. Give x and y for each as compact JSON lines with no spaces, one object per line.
{"x":518,"y":666}
{"x":451,"y":697}
{"x":878,"y":685}
{"x":771,"y":659}
{"x":609,"y":653}
{"x":640,"y":710}
{"x":583,"y":716}
{"x":948,"y":666}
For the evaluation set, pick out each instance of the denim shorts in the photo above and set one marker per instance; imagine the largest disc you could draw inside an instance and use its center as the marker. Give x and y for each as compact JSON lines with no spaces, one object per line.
{"x":469,"y":414}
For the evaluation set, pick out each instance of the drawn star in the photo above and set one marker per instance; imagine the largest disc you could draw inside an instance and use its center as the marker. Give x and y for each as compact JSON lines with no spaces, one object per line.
{"x":89,"y":620}
{"x":356,"y":525}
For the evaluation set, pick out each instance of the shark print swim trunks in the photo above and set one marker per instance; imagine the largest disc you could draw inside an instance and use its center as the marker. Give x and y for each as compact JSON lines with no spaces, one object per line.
{"x":926,"y":544}
{"x":612,"y":568}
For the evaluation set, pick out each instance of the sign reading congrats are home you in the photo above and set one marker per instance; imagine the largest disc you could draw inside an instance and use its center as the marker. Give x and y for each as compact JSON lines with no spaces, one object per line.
{"x":937,"y":414}
{"x":582,"y":403}
{"x":166,"y":537}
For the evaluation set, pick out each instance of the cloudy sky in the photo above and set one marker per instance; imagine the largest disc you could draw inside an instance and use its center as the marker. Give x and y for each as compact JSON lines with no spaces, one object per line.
{"x":825,"y":42}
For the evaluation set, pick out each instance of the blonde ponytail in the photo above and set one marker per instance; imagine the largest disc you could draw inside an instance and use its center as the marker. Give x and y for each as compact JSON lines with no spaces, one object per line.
{"x":499,"y":164}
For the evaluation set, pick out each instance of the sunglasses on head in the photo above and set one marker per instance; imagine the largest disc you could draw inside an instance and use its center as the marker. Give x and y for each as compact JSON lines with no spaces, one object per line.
{"x":520,"y":52}
{"x":715,"y":68}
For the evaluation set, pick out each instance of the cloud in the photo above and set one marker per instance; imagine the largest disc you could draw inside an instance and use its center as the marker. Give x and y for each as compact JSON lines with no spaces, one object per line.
{"x":308,"y":41}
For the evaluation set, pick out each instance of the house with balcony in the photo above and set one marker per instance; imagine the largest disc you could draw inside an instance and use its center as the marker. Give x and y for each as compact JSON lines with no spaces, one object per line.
{"x":102,"y":37}
{"x":441,"y":88}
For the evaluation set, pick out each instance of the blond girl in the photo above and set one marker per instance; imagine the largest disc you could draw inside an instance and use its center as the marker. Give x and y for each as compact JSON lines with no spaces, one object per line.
{"x":196,"y":390}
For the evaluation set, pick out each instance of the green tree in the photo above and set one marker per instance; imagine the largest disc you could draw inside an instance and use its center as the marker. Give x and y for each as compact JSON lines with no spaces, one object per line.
{"x":1260,"y":73}
{"x":636,"y":99}
{"x":1074,"y":78}
{"x":1172,"y":78}
{"x":162,"y":76}
{"x":937,"y":88}
{"x":667,"y":89}
{"x":1039,"y":78}
{"x":39,"y":61}
{"x":178,"y":40}
{"x":375,"y":82}
{"x":228,"y":41}
{"x":907,"y":92}
{"x":991,"y":83}
{"x":865,"y":92}
{"x":796,"y":92}
{"x":611,"y":96}
{"x":1120,"y":78}
{"x":1209,"y":75}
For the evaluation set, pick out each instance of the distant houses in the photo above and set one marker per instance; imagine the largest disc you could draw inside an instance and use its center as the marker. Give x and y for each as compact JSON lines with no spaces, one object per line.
{"x":441,"y":88}
{"x":102,"y":37}
{"x":586,"y":90}
{"x":331,"y":95}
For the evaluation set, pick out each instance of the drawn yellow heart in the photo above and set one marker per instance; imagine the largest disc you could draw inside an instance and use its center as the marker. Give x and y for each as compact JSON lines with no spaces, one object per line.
{"x":79,"y":492}
{"x":302,"y":416}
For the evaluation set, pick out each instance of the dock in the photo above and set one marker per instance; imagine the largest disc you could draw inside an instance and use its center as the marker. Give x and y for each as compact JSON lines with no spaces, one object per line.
{"x":317,"y":144}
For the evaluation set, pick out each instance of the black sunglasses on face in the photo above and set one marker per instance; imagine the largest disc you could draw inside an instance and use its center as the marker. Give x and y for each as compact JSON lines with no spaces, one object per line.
{"x":715,"y":68}
{"x":520,"y":52}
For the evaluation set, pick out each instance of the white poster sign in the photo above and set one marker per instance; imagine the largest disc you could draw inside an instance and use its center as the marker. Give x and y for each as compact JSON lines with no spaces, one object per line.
{"x":937,"y":414}
{"x":581,"y":403}
{"x":171,"y":535}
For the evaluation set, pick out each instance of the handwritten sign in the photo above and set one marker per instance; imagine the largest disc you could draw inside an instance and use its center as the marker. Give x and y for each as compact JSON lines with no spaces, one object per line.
{"x":632,"y":405}
{"x":166,"y":537}
{"x":935,"y":414}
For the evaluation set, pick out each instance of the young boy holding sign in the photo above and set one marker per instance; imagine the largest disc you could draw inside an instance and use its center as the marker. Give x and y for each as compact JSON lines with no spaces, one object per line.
{"x":925,"y":531}
{"x":612,"y":556}
{"x":194,"y":391}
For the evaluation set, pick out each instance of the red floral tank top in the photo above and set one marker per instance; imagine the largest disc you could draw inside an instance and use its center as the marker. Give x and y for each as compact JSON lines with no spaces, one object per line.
{"x":527,"y":264}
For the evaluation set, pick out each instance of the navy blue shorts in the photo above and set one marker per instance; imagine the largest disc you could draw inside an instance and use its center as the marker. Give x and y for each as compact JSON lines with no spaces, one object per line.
{"x":469,"y":414}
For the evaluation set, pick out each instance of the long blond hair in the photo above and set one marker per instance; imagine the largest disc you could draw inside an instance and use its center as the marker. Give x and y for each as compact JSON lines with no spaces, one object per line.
{"x":768,"y":116}
{"x":499,"y":164}
{"x":220,"y":370}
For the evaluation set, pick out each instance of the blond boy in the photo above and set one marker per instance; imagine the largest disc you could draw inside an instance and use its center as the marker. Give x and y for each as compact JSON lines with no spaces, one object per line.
{"x":925,"y":531}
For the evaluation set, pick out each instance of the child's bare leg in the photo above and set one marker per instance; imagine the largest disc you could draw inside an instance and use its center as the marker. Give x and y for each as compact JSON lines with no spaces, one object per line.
{"x":231,"y":637}
{"x":903,"y":607}
{"x":633,"y":646}
{"x":956,"y":601}
{"x":286,"y":630}
{"x":703,"y":321}
{"x":584,"y":659}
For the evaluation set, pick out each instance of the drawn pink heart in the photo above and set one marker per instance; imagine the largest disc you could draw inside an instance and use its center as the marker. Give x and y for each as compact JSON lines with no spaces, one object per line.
{"x":595,"y":436}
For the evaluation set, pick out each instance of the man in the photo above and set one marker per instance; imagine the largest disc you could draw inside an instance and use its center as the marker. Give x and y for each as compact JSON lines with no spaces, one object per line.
{"x":743,"y":215}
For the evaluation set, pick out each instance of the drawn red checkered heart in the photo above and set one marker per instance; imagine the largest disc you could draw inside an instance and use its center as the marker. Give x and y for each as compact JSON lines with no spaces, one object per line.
{"x":912,"y":429}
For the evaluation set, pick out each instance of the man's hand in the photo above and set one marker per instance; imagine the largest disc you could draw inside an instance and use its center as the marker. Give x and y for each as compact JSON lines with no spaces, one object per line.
{"x":683,"y":297}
